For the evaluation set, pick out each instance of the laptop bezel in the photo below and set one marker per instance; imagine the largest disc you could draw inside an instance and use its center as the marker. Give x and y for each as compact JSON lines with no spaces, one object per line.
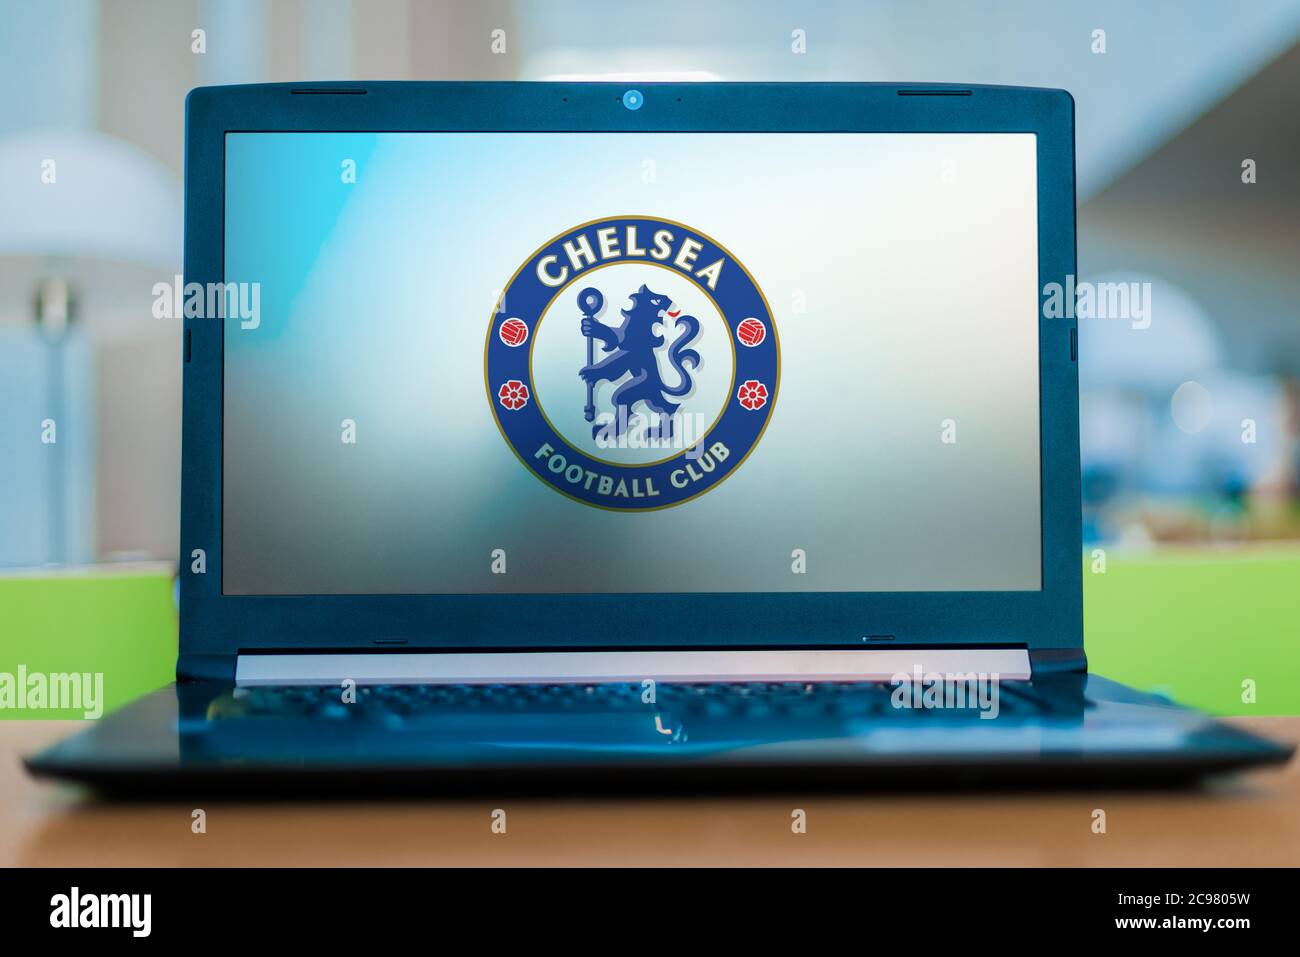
{"x":215,"y":627}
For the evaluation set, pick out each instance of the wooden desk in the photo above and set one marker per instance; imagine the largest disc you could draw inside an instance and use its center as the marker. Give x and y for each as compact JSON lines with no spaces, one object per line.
{"x":1249,"y":821}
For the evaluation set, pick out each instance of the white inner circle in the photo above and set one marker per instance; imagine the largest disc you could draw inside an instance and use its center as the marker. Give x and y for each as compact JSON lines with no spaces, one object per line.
{"x":560,"y":351}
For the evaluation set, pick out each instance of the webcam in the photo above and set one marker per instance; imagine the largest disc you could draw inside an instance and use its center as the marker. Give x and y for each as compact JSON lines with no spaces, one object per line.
{"x":633,"y":99}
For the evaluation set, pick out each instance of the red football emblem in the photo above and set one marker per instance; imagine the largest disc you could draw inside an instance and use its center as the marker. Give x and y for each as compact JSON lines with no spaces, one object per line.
{"x":752,"y":394}
{"x":751,"y":332}
{"x":513,"y":395}
{"x":513,"y":332}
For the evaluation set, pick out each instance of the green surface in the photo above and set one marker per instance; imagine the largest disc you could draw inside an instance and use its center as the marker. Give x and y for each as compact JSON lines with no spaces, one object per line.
{"x":1195,"y":624}
{"x":120,"y":623}
{"x":1192,"y":625}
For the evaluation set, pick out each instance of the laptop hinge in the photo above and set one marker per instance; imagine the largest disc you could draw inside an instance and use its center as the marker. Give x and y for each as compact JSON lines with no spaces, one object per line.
{"x":499,"y":667}
{"x":193,"y":667}
{"x":1053,"y":661}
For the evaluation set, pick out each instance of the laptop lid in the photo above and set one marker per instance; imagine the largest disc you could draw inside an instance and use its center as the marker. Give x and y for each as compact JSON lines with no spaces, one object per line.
{"x":545,"y":367}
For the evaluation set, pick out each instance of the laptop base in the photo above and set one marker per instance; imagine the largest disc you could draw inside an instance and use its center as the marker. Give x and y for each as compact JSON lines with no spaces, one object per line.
{"x":1064,"y":731}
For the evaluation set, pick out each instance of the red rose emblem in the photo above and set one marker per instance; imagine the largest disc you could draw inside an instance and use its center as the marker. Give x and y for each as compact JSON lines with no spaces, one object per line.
{"x":513,"y":395}
{"x":752,"y":394}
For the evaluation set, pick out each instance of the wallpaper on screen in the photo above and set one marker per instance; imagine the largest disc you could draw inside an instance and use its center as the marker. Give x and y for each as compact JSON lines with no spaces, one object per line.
{"x":901,"y":271}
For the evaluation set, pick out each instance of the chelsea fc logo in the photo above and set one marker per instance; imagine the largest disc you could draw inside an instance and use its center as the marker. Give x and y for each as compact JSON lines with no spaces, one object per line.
{"x":632,"y":363}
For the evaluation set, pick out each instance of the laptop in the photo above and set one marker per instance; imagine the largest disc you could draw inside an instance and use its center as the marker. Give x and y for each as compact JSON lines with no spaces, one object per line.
{"x":571,"y":435}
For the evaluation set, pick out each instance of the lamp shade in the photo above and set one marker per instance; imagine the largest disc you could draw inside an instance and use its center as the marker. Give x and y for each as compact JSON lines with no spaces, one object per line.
{"x":85,"y":195}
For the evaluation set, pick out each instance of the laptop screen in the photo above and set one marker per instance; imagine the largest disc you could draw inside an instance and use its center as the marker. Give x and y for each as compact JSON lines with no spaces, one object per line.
{"x":630,"y":362}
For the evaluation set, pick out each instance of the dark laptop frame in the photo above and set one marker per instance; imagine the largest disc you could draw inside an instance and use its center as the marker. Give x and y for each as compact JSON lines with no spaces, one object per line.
{"x":215,"y":628}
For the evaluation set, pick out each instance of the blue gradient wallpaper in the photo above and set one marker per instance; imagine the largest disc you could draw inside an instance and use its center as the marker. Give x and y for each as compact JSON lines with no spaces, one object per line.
{"x":361,"y":452}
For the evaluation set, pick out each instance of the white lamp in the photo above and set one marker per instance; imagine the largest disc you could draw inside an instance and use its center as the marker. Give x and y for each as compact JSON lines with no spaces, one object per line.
{"x":81,"y":210}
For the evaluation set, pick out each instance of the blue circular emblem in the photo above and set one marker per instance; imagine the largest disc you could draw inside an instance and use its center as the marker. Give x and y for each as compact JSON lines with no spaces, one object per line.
{"x":632,"y":363}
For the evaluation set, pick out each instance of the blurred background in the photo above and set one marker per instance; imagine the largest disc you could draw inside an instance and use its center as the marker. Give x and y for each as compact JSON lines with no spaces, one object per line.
{"x":1191,"y":417}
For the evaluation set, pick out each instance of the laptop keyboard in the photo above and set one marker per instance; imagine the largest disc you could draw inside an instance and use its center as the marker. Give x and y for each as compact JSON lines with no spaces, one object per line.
{"x":857,"y":699}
